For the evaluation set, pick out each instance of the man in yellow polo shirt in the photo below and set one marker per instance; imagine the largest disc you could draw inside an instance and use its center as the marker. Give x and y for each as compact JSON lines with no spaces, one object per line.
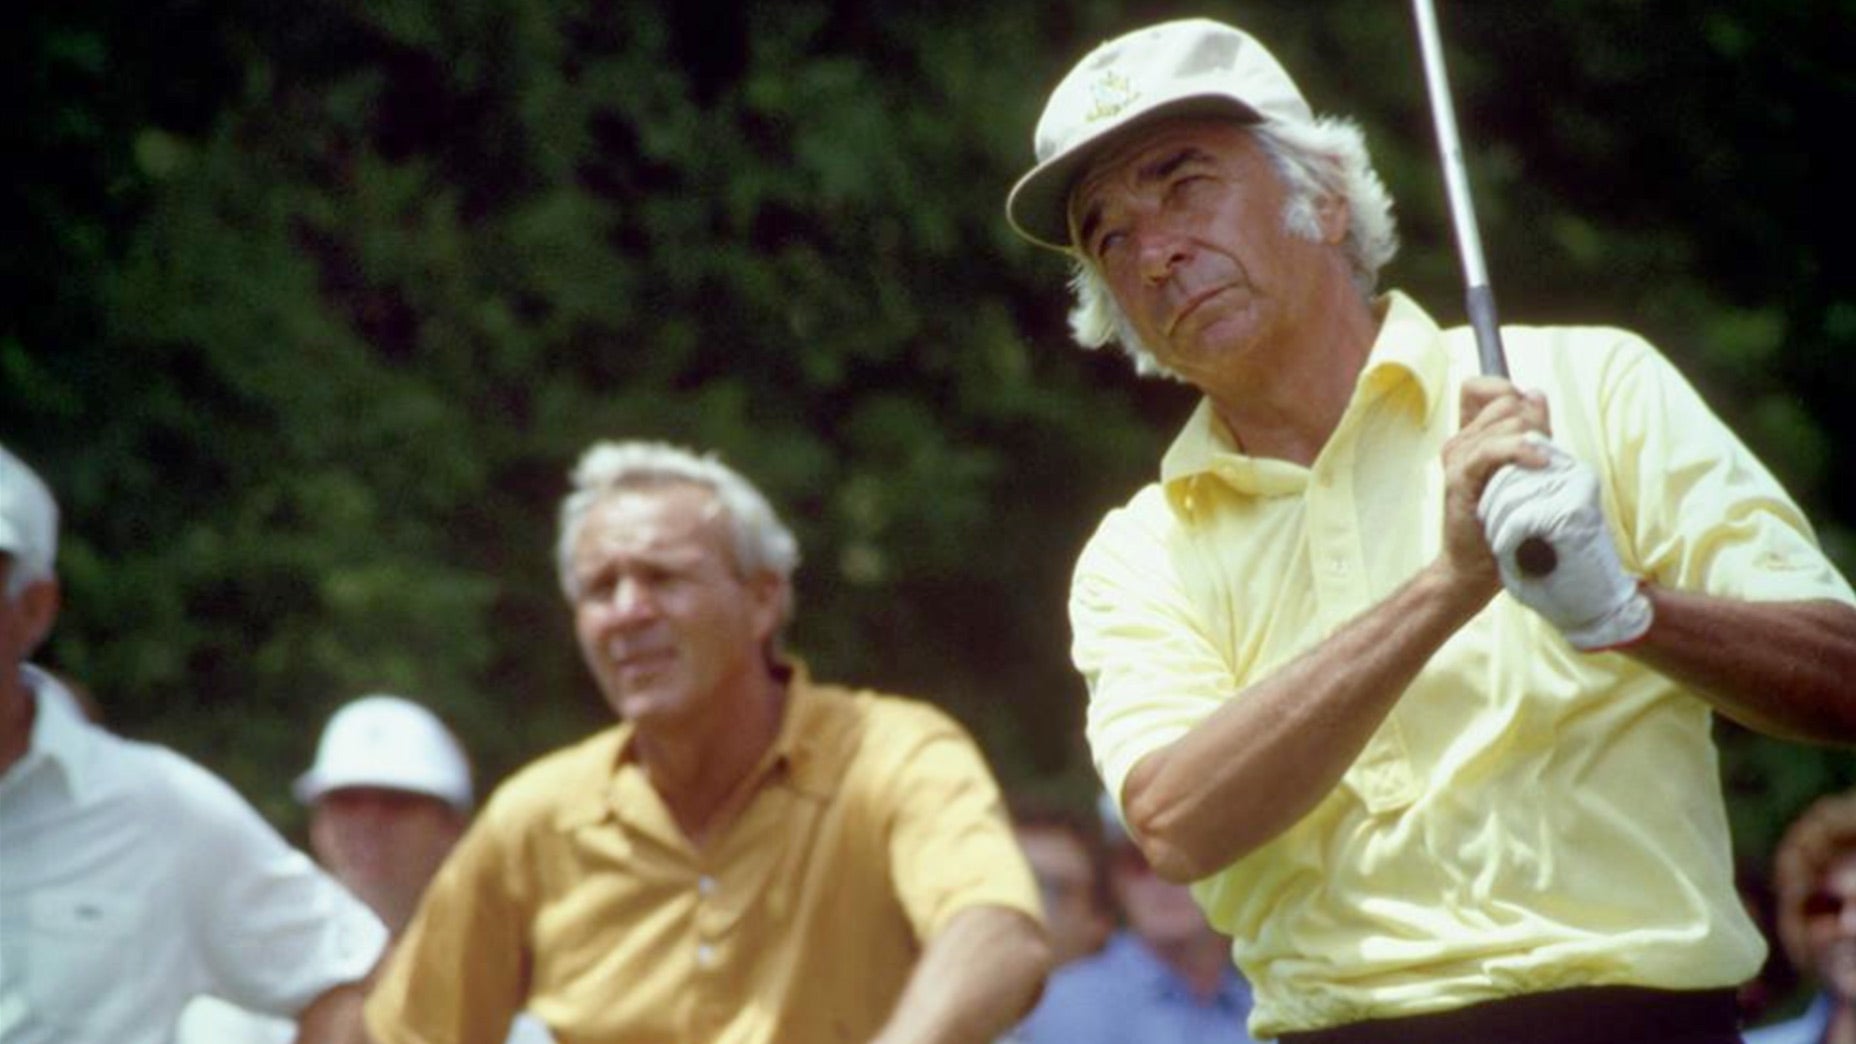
{"x":749,"y":856}
{"x":1432,"y":799}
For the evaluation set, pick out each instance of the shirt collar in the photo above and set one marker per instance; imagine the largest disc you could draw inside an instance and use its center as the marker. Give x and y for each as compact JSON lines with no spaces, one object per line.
{"x":60,"y":734}
{"x":1408,"y":348}
{"x":796,"y":756}
{"x":802,"y":745}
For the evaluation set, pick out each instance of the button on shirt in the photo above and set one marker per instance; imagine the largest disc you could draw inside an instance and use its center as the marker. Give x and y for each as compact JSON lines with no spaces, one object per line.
{"x":575,"y":894}
{"x":1527,"y":817}
{"x":132,"y":879}
{"x":1127,"y":995}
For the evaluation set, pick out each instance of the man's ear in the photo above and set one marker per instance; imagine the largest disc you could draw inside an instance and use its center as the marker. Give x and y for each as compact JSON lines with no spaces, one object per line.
{"x":770,"y":594}
{"x":38,"y":609}
{"x":1332,"y":215}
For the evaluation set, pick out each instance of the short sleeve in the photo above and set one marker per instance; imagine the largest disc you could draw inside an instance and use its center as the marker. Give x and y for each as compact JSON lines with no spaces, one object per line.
{"x":951,"y":846}
{"x":1700,"y":512}
{"x":277,"y":931}
{"x":459,"y":972}
{"x":1140,"y":641}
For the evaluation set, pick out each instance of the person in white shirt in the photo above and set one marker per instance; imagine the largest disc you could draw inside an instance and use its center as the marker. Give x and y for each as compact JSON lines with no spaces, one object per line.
{"x":389,"y":794}
{"x":132,"y":879}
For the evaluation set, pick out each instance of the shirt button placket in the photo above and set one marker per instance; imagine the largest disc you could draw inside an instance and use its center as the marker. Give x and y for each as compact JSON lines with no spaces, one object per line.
{"x":709,"y":1013}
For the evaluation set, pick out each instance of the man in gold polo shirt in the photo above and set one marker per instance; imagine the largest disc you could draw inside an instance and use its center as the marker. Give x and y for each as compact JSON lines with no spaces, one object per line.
{"x":1431,"y":798}
{"x":749,"y":856}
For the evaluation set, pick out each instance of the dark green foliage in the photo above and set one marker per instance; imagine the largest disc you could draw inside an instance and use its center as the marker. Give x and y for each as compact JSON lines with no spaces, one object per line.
{"x":311,"y":306}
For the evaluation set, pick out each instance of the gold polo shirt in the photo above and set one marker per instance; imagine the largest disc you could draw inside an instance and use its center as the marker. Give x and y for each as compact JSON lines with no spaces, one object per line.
{"x":576,"y":896}
{"x":1528,"y":817}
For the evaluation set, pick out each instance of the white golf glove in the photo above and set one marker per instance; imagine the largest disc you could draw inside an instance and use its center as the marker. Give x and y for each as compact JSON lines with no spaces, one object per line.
{"x":1587,"y":595}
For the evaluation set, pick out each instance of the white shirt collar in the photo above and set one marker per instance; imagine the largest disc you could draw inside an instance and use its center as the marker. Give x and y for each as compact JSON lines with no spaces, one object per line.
{"x":60,"y":734}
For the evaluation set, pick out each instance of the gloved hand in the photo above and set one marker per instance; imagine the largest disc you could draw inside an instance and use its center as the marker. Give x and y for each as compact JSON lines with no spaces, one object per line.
{"x":1587,"y":595}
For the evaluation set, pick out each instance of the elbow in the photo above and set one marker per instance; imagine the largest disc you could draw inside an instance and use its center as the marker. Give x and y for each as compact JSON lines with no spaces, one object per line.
{"x":1026,"y":959}
{"x":1160,"y":825}
{"x":1038,"y":959}
{"x":1177,"y":863}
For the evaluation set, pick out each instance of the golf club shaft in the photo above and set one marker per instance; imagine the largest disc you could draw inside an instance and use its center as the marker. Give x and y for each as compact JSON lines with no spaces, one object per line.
{"x":1479,"y":300}
{"x":1535,"y":557}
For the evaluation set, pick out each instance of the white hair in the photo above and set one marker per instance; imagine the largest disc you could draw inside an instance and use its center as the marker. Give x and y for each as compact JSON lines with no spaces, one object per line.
{"x":762,"y":543}
{"x":1323,"y":159}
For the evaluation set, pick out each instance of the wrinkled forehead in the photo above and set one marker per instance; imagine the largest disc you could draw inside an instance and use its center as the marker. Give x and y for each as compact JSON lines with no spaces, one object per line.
{"x":676,"y":492}
{"x":1150,"y":151}
{"x":669,"y":516}
{"x":1840,"y":873}
{"x":1052,"y":844}
{"x":380,"y":798}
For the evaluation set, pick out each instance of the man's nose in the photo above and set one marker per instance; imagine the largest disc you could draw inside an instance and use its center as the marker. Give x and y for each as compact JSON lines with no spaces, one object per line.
{"x":632,"y":599}
{"x":1161,"y":250}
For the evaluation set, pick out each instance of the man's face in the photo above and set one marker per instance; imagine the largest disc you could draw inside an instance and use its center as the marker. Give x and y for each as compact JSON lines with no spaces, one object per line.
{"x":1066,"y":879}
{"x":1830,"y":926}
{"x":1185,"y":221}
{"x":385,"y":845}
{"x":25,"y":618}
{"x":666,"y":622}
{"x":1157,"y":910}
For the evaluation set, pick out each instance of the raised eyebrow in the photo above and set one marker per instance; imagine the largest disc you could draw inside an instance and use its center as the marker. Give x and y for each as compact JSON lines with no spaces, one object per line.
{"x":1158,"y":170}
{"x":1166,"y":166}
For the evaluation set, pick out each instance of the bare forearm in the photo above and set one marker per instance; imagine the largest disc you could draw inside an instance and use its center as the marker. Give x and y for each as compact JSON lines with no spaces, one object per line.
{"x":1785,"y":668}
{"x":334,"y":1018}
{"x":1263,"y":760}
{"x":974,"y":981}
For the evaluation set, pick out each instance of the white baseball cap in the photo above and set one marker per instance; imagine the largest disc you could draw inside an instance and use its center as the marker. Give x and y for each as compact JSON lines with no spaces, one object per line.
{"x":1191,"y":67}
{"x":28,"y":517}
{"x":392,"y":743}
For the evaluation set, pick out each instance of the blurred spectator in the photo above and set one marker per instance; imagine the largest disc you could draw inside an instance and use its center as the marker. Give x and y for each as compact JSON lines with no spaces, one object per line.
{"x":389,"y":795}
{"x":1765,"y":992}
{"x":132,"y":879}
{"x":1815,"y":876}
{"x":1166,"y":978}
{"x":1067,"y":858}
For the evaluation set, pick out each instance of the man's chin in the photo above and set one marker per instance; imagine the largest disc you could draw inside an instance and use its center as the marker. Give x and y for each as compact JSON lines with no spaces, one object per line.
{"x":1840,"y":974}
{"x":647,"y":705}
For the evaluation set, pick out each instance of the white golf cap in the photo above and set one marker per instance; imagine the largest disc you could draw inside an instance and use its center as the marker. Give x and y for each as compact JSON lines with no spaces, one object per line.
{"x":28,"y":518}
{"x":1190,"y":67}
{"x":391,"y":743}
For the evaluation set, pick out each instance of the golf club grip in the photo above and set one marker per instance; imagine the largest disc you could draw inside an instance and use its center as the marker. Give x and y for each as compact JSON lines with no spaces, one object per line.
{"x":1535,"y":557}
{"x":1479,"y":301}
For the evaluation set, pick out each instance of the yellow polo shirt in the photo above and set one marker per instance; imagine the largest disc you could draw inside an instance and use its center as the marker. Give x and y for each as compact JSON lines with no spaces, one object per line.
{"x":1528,"y":817}
{"x":576,"y":896}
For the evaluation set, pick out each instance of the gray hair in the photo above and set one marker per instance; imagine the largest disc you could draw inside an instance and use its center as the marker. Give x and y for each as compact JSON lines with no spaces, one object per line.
{"x":1325,"y":158}
{"x":762,"y":543}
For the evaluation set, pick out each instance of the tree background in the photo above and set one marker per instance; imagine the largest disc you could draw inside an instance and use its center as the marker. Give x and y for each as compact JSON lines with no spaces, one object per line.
{"x":308,"y":308}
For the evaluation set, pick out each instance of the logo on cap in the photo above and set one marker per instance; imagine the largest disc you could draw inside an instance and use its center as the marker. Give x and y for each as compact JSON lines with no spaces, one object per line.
{"x":1112,"y":93}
